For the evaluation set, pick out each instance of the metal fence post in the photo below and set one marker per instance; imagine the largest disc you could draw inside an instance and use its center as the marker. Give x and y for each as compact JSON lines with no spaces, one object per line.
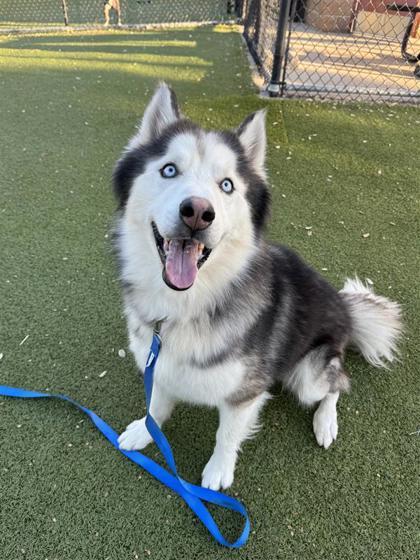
{"x":275,"y":86}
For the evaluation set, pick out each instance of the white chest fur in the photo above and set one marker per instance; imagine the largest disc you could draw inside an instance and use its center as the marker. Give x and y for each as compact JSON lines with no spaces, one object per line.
{"x":176,"y":370}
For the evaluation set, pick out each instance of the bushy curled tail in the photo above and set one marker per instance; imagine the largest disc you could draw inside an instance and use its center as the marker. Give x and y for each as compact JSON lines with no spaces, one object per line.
{"x":376,"y":322}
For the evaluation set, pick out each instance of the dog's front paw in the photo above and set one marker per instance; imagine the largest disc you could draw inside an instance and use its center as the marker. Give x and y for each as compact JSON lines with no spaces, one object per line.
{"x":325,"y":426}
{"x":136,"y":436}
{"x":218,"y":473}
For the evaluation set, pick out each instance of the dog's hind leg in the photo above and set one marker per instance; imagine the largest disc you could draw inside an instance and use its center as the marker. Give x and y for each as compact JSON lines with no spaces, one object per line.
{"x":325,"y":423}
{"x":319,"y":378}
{"x":136,"y":435}
{"x":237,"y":422}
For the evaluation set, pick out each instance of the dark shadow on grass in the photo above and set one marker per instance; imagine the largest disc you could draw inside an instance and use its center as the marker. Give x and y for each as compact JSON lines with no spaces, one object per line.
{"x":106,"y":38}
{"x":148,"y":47}
{"x":213,"y":55}
{"x":121,"y":62}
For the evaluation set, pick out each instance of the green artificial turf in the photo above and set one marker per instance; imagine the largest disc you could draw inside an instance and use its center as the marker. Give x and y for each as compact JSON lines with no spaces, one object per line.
{"x":69,"y":103}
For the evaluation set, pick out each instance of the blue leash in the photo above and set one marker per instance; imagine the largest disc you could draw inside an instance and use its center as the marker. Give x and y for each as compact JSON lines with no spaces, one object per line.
{"x":193,"y":495}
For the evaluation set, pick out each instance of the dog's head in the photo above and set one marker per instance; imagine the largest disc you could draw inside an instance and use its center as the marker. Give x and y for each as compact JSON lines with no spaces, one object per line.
{"x":195,"y":197}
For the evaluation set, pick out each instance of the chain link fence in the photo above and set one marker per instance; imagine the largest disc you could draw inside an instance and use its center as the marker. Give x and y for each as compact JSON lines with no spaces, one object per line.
{"x":349,"y":49}
{"x":261,"y":21}
{"x":26,"y":13}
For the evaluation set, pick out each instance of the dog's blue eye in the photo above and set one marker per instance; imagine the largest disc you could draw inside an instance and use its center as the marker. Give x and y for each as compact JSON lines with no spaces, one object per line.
{"x":227,"y":186}
{"x":169,"y":171}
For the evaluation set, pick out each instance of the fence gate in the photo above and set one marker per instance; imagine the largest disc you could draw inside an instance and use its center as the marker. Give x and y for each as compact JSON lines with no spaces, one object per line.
{"x":353,"y":49}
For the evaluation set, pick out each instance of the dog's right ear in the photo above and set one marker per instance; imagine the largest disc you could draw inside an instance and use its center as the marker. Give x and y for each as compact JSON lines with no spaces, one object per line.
{"x":253,"y":137}
{"x":162,"y":111}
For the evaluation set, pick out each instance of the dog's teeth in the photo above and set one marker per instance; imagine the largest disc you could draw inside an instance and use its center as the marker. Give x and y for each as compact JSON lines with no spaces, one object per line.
{"x":200,"y":247}
{"x":166,"y":245}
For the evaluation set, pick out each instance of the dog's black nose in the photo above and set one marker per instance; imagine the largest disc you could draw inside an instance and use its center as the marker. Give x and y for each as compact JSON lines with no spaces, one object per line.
{"x":196,"y":212}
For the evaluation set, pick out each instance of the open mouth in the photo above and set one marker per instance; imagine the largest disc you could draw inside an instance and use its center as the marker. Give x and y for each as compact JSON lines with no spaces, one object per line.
{"x":181,"y":259}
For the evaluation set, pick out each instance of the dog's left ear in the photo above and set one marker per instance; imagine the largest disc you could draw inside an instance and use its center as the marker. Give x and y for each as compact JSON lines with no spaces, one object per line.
{"x":162,"y":111}
{"x":253,"y":138}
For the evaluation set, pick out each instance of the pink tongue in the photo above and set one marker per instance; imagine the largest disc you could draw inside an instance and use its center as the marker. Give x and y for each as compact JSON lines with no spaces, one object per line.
{"x":181,"y":263}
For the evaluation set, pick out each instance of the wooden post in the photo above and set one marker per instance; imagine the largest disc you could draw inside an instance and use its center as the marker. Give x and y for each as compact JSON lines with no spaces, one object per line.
{"x":65,"y":12}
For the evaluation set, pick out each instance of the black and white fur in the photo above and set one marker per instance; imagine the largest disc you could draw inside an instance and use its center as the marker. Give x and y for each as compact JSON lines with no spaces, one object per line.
{"x":256,"y":314}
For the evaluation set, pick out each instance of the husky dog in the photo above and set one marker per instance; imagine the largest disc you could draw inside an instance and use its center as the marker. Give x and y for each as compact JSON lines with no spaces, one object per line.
{"x":238,"y":314}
